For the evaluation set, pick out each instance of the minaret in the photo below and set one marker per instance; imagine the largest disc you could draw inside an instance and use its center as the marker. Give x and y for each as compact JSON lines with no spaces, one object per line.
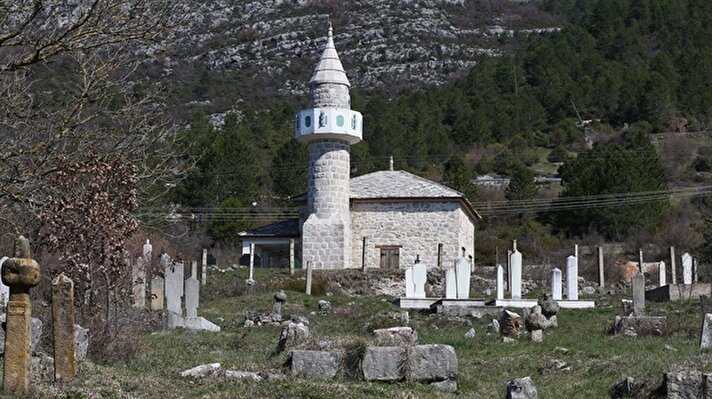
{"x":329,"y":128}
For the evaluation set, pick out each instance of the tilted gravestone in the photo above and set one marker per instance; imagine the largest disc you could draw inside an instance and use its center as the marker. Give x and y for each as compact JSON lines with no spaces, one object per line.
{"x":706,"y":333}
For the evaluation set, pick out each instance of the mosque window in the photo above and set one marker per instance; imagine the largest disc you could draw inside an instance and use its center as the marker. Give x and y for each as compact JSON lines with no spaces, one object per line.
{"x":340,"y":121}
{"x":307,"y":121}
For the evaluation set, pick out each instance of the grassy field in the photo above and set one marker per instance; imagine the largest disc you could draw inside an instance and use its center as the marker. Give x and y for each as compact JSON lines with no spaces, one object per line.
{"x":596,"y":359}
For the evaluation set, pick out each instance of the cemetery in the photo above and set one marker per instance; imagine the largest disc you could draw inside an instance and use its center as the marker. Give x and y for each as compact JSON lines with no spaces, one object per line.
{"x":228,"y":331}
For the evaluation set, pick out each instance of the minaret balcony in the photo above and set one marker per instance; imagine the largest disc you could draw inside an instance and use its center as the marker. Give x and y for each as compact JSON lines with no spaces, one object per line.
{"x":329,"y":123}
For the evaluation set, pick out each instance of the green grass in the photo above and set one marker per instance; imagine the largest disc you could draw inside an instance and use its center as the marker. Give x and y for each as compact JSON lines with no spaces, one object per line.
{"x":596,"y":359}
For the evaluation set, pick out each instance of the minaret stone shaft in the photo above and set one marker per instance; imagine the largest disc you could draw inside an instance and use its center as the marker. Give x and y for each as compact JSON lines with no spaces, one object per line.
{"x":329,"y":128}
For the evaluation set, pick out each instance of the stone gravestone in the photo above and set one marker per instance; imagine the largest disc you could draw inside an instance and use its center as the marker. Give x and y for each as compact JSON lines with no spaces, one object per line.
{"x":706,"y":333}
{"x":686,"y":269}
{"x":572,"y":278}
{"x":601,"y":277}
{"x":174,"y":285}
{"x":463,"y":269}
{"x":638,"y":294}
{"x":662,"y":278}
{"x":500,"y":282}
{"x":192,"y":296}
{"x":157,"y":293}
{"x":409,"y":286}
{"x":19,"y":273}
{"x":138,"y":274}
{"x":420,"y":277}
{"x":65,"y":344}
{"x":673,"y":264}
{"x":450,"y":282}
{"x":556,"y":288}
{"x":516,"y":279}
{"x":4,"y":289}
{"x":204,"y":270}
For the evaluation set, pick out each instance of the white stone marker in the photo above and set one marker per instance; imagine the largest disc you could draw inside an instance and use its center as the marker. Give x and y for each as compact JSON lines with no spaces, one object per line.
{"x":706,"y":334}
{"x":409,"y":286}
{"x":638,"y":285}
{"x":556,"y":284}
{"x":192,"y":296}
{"x":4,"y":289}
{"x":662,"y":278}
{"x":174,"y":285}
{"x":204,"y":280}
{"x":673,"y":265}
{"x":309,"y":277}
{"x":194,"y":269}
{"x":462,"y":270}
{"x":251,"y":280}
{"x":516,"y":261}
{"x":291,"y":257}
{"x":420,"y":277}
{"x":572,"y":278}
{"x":500,"y":282}
{"x":450,"y":282}
{"x":601,"y":277}
{"x":695,"y":275}
{"x":686,"y":269}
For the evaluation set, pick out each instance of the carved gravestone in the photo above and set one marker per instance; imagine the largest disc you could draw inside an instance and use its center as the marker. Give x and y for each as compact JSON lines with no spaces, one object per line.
{"x":174,"y":286}
{"x":157,"y":296}
{"x":420,"y":277}
{"x":463,"y":268}
{"x":638,"y":294}
{"x":556,"y":284}
{"x":19,"y":273}
{"x":65,"y":358}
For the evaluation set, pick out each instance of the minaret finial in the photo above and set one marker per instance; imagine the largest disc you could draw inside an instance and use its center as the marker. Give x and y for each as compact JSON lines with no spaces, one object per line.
{"x":390,"y":163}
{"x":331,"y":30}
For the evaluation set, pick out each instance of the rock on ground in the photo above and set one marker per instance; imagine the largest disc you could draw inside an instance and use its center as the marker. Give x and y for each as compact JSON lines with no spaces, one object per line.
{"x":432,"y":362}
{"x":201,"y":371}
{"x":315,"y":364}
{"x":292,"y":333}
{"x":324,"y":305}
{"x":510,"y":324}
{"x":242,"y":375}
{"x":445,"y":386}
{"x":493,"y":327}
{"x":522,"y":388}
{"x":625,"y":388}
{"x":536,"y":320}
{"x":384,"y":363}
{"x":549,"y":307}
{"x":685,"y":384}
{"x":396,"y":336}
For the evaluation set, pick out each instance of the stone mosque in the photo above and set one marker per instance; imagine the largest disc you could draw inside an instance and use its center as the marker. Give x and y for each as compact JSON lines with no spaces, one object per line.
{"x":385,"y":219}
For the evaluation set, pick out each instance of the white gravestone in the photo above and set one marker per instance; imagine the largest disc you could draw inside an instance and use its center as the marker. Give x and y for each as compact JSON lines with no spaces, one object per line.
{"x":661,"y":274}
{"x":420,"y":277}
{"x":174,"y":286}
{"x":572,"y":278}
{"x":500,"y":282}
{"x":147,"y":250}
{"x":516,"y":279}
{"x":706,"y":334}
{"x":462,"y":269}
{"x":450,"y":283}
{"x":556,"y":285}
{"x":204,"y":280}
{"x":192,"y":295}
{"x":4,"y":289}
{"x":686,"y":268}
{"x":409,"y":286}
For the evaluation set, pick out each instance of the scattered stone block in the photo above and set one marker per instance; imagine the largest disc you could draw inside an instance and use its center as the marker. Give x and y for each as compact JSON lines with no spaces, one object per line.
{"x":537,"y":336}
{"x":549,"y":306}
{"x":510,"y":324}
{"x":432,"y":362}
{"x":315,"y":364}
{"x":291,"y":334}
{"x":626,"y":388}
{"x":627,"y":305}
{"x":684,"y":384}
{"x":552,"y":365}
{"x":536,"y":320}
{"x":470,"y":333}
{"x":522,"y":388}
{"x":706,"y":333}
{"x":384,"y":363}
{"x":640,"y":326}
{"x":396,"y":336}
{"x":445,"y":386}
{"x":324,"y":305}
{"x":65,"y":344}
{"x":493,"y":327}
{"x":242,"y":375}
{"x":203,"y":370}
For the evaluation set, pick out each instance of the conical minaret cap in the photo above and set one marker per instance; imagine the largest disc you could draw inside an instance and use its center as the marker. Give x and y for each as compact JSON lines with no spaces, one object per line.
{"x":329,"y":68}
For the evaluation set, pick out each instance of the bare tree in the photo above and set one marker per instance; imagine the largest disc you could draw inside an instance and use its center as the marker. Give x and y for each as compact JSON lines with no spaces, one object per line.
{"x":75,"y":114}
